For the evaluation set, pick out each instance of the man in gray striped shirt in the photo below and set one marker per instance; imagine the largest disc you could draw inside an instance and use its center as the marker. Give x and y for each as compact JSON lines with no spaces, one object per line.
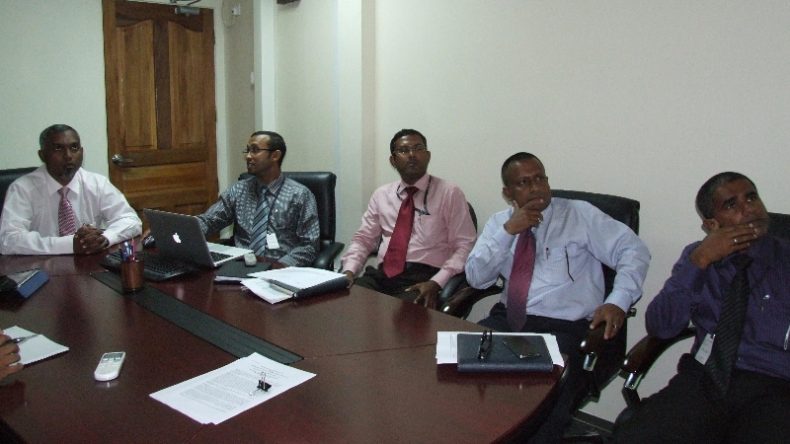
{"x":274,"y":216}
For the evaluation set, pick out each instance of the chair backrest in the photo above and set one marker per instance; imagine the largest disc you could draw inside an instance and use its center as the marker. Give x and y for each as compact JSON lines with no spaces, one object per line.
{"x":8,"y":176}
{"x":780,"y":225}
{"x":626,"y":211}
{"x":322,"y":185}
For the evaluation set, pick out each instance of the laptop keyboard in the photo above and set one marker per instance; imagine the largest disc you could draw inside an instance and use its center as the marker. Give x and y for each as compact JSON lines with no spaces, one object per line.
{"x":156,"y":268}
{"x":216,"y":257}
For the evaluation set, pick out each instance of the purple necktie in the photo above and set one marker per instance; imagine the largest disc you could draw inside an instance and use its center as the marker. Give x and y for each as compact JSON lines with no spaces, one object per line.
{"x":520,"y":279}
{"x":67,"y":221}
{"x":395,"y":258}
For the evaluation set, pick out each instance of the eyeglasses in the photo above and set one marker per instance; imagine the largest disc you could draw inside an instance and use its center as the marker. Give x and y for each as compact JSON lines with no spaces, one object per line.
{"x":529,"y":182}
{"x":256,"y":150}
{"x":486,"y":341}
{"x":60,"y":149}
{"x":406,"y":150}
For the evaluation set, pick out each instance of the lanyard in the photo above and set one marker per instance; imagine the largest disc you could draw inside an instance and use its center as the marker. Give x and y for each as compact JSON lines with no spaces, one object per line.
{"x":424,"y":210}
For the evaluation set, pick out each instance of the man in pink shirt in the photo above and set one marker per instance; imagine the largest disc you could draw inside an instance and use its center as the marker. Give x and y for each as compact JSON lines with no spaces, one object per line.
{"x":442,"y":233}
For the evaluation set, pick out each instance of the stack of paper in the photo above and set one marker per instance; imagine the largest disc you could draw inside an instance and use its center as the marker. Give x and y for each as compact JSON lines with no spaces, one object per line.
{"x":224,"y":393}
{"x":275,"y":286}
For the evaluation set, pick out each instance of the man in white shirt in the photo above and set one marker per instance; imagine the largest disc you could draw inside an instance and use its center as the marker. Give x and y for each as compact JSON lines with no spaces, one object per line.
{"x":62,"y":209}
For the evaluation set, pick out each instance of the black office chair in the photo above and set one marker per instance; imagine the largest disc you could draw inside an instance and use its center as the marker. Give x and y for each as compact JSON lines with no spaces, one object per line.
{"x":322,"y":185}
{"x":8,"y":176}
{"x":646,"y":352}
{"x":602,"y":358}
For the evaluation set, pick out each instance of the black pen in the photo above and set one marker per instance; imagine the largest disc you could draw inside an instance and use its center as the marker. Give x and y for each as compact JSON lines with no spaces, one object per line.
{"x":20,"y":339}
{"x":283,"y":285}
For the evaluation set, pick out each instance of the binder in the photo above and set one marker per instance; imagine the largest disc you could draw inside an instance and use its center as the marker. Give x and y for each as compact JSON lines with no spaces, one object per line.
{"x":504,"y":354}
{"x":23,"y":283}
{"x":336,"y":284}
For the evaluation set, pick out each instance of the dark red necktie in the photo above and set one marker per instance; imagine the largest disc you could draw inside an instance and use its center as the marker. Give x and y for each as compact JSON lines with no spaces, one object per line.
{"x":67,"y":220}
{"x":520,"y":279}
{"x":395,"y":258}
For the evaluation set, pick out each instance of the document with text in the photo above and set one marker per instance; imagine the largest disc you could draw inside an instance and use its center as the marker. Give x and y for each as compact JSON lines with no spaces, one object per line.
{"x":227,"y":391}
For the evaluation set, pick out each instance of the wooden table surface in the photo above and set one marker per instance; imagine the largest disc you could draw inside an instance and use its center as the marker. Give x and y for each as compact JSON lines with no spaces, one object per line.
{"x":374,"y":356}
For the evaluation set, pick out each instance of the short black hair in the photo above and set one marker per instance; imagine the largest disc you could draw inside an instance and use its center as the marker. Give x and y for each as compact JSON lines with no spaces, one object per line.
{"x":276,"y":142}
{"x":518,"y":157}
{"x":406,"y":132}
{"x":51,"y":130}
{"x":704,"y":201}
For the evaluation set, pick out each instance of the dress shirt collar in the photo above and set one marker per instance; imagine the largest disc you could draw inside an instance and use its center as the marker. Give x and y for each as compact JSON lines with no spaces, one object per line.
{"x":272,"y":187}
{"x":421,"y":184}
{"x":53,"y":186}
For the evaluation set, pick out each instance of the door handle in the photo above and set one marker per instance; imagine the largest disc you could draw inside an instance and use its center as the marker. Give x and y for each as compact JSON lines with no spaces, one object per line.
{"x":120,"y":160}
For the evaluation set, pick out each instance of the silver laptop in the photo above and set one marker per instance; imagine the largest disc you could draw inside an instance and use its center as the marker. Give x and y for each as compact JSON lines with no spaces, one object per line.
{"x":179,"y":237}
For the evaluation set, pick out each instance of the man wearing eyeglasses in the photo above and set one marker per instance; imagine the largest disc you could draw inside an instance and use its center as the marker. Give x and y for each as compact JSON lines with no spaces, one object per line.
{"x":420,"y":224}
{"x":62,"y":209}
{"x":274,"y":216}
{"x":550,"y":251}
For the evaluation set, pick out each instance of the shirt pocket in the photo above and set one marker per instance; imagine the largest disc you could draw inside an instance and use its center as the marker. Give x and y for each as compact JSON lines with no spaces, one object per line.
{"x":283,"y":218}
{"x":556,"y":263}
{"x":772,"y":323}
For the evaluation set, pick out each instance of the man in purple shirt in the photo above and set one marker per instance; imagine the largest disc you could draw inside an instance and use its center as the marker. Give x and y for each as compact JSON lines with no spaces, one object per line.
{"x":442,"y":233}
{"x":755,"y":406}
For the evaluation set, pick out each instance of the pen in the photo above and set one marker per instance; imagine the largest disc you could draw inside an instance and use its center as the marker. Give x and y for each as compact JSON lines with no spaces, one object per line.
{"x":787,"y":337}
{"x":283,"y":286}
{"x":20,"y":339}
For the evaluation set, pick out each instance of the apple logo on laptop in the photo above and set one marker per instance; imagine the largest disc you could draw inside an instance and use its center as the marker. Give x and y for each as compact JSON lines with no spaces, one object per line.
{"x":176,"y":238}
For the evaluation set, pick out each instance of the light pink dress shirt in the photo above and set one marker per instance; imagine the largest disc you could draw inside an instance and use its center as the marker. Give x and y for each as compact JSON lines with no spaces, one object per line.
{"x":442,"y":238}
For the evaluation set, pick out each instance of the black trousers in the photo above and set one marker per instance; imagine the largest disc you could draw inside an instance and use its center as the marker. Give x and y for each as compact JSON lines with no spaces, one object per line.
{"x":756,"y":410}
{"x":375,"y":279}
{"x":569,"y":335}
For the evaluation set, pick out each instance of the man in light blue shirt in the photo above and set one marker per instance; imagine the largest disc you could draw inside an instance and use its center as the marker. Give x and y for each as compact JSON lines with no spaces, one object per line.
{"x":566,"y":293}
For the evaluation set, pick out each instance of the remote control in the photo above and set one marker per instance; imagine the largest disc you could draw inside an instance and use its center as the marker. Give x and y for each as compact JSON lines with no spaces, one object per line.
{"x":250,"y":260}
{"x":109,"y":366}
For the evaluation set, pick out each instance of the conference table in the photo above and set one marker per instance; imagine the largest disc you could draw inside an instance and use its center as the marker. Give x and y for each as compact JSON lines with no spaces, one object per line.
{"x":373,"y":355}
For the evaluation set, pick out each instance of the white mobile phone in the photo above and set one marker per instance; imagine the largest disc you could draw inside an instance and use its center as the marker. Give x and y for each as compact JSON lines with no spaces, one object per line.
{"x":109,"y":366}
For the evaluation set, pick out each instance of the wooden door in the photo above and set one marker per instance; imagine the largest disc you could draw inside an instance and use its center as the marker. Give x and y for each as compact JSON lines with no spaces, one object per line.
{"x":161,"y":117}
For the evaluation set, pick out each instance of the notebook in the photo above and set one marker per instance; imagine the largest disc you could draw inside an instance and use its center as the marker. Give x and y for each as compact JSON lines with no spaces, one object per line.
{"x":504,"y":353}
{"x":179,"y":237}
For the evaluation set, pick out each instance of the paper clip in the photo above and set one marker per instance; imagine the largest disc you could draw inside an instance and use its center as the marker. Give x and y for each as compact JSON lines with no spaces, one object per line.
{"x":262,"y":385}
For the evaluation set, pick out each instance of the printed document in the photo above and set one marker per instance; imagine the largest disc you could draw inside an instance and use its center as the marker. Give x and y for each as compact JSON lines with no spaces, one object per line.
{"x":227,"y":391}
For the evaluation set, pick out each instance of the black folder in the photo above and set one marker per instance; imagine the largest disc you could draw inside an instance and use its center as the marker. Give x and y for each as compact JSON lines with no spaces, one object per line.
{"x":506,"y":353}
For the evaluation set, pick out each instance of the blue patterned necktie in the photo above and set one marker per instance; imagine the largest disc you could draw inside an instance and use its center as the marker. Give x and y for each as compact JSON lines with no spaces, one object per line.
{"x":260,"y":226}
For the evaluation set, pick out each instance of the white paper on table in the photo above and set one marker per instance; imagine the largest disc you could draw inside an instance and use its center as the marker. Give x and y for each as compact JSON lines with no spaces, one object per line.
{"x":227,"y":391}
{"x":265,"y":291}
{"x":36,"y":348}
{"x":447,"y":346}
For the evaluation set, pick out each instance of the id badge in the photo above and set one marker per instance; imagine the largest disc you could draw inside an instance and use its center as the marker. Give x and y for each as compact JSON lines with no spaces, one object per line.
{"x":704,"y":349}
{"x":271,"y":242}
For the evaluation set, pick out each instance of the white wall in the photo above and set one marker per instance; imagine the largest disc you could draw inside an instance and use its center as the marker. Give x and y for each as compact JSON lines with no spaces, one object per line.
{"x":52,"y":71}
{"x":633,"y":97}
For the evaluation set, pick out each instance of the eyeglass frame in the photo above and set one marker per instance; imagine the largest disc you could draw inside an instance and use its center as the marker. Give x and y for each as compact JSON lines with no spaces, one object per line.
{"x":486,"y":344}
{"x":539,"y":180}
{"x":256,"y":151}
{"x":407,"y":150}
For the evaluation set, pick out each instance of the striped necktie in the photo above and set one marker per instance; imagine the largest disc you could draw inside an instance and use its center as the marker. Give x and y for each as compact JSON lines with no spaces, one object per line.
{"x":67,"y":220}
{"x":261,"y":222}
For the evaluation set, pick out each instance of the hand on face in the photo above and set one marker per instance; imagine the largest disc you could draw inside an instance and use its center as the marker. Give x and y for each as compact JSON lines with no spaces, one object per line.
{"x":524,"y":218}
{"x":725,"y":241}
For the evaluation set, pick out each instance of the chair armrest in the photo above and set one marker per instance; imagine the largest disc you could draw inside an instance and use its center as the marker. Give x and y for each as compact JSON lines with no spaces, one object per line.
{"x":460,"y":304}
{"x":453,"y":286}
{"x":642,"y":356}
{"x":592,"y":346}
{"x":326,"y":256}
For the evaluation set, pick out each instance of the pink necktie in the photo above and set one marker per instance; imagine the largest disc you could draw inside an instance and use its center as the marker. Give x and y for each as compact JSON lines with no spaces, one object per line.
{"x":520,"y":279}
{"x":67,"y":221}
{"x":395,"y":258}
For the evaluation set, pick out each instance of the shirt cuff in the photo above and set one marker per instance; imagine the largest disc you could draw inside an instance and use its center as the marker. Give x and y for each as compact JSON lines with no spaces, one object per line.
{"x":442,"y":277}
{"x":620,"y":300}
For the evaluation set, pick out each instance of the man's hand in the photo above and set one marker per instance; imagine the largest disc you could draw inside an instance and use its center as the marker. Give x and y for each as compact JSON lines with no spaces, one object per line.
{"x":89,"y":240}
{"x":350,"y":277}
{"x":523,"y":218}
{"x":612,"y":315}
{"x":722,"y":242}
{"x":427,"y":293}
{"x":9,"y":354}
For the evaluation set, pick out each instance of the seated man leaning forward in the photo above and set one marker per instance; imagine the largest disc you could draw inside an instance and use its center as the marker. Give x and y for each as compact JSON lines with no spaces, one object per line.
{"x":62,"y":209}
{"x":423,"y":225}
{"x":550,"y":251}
{"x":274,"y":216}
{"x":734,"y":286}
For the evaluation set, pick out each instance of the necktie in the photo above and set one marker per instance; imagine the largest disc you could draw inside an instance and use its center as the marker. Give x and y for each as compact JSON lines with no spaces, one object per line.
{"x":260,"y":227}
{"x":718,"y":368}
{"x":395,"y":258}
{"x":67,"y":220}
{"x":520,"y":280}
